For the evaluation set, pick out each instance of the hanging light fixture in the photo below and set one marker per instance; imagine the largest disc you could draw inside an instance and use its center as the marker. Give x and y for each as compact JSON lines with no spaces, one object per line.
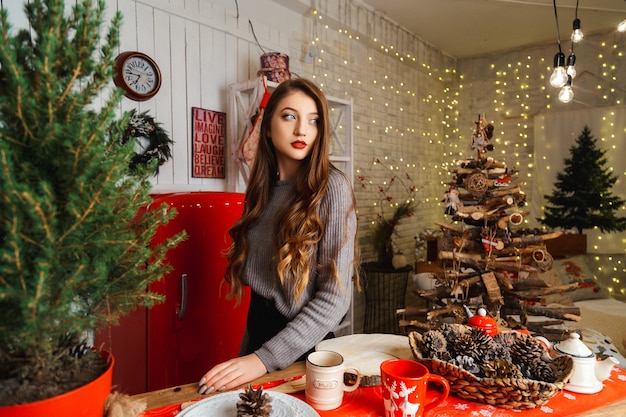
{"x":571,"y":69}
{"x":567,"y":92}
{"x":621,"y":27}
{"x":571,"y":62}
{"x":559,"y":75}
{"x":577,"y":34}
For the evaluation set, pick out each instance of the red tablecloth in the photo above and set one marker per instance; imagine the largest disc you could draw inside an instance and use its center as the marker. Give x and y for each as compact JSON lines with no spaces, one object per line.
{"x":367,"y":402}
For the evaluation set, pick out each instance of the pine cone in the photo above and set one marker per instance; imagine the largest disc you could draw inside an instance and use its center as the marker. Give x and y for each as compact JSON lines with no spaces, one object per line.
{"x":538,"y":370}
{"x":451,"y":333}
{"x":442,"y":355}
{"x":501,"y":368}
{"x":466,"y":363}
{"x":466,"y":346}
{"x":506,"y":339}
{"x":497,"y":351}
{"x":434,"y":342}
{"x":483,"y":341}
{"x":254,"y":403}
{"x":526,"y":350}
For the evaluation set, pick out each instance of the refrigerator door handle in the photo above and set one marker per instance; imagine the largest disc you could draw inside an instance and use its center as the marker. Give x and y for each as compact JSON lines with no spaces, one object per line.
{"x":180,"y":310}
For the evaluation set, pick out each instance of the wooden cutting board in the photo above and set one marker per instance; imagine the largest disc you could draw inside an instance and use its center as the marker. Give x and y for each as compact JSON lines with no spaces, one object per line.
{"x":367,"y":351}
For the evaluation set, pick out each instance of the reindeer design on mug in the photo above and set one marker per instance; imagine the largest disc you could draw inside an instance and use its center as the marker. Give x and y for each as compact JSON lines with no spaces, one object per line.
{"x":390,"y":404}
{"x":408,"y":408}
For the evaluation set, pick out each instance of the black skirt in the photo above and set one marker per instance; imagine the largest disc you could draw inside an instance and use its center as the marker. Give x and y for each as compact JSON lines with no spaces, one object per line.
{"x":265,"y":322}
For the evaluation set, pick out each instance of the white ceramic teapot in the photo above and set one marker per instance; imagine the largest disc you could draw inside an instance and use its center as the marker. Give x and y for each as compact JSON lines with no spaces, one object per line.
{"x":588,"y":371}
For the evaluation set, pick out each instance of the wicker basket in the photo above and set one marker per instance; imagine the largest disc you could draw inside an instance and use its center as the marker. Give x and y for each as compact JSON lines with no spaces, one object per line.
{"x":511,"y":393}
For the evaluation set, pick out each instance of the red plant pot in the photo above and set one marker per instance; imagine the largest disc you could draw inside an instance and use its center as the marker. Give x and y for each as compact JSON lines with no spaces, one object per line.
{"x":85,"y":401}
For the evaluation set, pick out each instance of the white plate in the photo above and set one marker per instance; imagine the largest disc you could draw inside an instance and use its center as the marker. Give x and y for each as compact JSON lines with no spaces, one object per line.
{"x":225,"y":405}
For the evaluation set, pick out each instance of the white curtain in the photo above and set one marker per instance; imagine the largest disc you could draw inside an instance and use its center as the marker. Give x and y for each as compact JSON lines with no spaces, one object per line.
{"x":555,"y":133}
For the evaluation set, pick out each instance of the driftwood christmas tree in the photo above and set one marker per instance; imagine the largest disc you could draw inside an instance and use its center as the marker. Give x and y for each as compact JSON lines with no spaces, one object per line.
{"x":486,"y":262}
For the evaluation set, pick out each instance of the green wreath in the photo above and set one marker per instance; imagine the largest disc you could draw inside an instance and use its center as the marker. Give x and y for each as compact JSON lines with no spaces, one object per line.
{"x":143,"y":128}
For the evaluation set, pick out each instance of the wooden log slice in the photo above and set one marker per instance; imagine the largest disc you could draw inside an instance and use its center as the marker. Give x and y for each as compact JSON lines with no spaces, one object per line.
{"x":367,"y":351}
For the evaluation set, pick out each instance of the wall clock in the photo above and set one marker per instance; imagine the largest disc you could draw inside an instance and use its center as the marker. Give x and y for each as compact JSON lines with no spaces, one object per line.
{"x":138,"y":75}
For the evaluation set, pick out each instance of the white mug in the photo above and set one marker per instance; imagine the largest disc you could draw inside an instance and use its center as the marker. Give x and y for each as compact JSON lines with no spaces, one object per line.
{"x":325,"y":379}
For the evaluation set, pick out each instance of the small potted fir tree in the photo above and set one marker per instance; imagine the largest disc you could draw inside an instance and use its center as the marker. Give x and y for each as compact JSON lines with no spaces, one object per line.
{"x":76,"y":246}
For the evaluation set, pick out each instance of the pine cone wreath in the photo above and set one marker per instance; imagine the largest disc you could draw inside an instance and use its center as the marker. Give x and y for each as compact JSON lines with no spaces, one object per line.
{"x":254,"y":403}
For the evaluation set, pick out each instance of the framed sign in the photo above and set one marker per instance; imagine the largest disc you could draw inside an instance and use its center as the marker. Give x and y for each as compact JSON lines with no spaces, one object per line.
{"x":208,"y":132}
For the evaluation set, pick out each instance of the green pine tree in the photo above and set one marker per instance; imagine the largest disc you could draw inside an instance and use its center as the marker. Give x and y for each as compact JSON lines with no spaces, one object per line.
{"x":582,"y":197}
{"x":76,"y":246}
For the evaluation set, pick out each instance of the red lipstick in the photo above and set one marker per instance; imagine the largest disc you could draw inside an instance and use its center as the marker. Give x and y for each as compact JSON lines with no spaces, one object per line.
{"x":298,"y":144}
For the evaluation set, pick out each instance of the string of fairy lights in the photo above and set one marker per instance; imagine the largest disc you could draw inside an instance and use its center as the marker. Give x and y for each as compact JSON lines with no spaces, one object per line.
{"x":516,"y":85}
{"x":520,"y":89}
{"x":525,"y":76}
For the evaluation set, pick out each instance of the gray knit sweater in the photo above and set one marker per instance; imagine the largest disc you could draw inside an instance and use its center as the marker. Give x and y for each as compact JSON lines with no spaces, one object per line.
{"x":324,"y":302}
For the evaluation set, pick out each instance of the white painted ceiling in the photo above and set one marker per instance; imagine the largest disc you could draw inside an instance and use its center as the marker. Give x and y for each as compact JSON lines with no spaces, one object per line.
{"x":466,"y":28}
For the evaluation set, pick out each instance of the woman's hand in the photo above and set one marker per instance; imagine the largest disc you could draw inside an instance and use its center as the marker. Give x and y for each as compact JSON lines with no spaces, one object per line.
{"x":232,"y":373}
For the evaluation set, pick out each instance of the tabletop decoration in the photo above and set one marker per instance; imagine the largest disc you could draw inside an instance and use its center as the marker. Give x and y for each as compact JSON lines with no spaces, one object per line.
{"x":510,"y":370}
{"x":254,"y":403}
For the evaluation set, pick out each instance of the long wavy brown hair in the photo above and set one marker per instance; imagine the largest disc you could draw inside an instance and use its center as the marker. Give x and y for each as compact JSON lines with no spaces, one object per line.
{"x":299,"y":227}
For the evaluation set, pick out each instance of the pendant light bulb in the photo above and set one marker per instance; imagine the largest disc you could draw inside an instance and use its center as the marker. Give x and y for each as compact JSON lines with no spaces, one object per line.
{"x":571,"y":71}
{"x":559,"y":75}
{"x":571,"y":62}
{"x":621,"y":27}
{"x":577,"y":34}
{"x":567,"y":92}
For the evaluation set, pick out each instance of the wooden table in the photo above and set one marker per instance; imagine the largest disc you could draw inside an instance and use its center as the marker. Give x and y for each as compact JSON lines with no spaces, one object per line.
{"x":189,"y":392}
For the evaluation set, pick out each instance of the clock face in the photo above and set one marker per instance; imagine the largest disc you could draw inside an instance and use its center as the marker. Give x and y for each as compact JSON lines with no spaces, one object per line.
{"x":138,"y":75}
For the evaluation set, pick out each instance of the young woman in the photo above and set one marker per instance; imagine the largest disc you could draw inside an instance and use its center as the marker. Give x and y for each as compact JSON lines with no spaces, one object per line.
{"x":295,"y":244}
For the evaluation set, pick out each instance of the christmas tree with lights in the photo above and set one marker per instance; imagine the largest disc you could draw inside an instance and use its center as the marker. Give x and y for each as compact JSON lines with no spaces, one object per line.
{"x":582,"y":197}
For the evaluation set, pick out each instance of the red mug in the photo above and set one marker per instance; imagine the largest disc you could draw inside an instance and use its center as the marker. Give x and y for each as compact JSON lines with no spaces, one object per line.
{"x":404,"y":385}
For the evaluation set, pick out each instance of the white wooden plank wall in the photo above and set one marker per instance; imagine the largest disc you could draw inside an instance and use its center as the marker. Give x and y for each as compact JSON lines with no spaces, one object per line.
{"x":201,"y":48}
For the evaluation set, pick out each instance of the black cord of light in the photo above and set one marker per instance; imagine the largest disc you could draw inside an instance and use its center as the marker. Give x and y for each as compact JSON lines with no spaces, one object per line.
{"x":571,"y":59}
{"x":558,"y":33}
{"x":577,"y":34}
{"x":575,"y":20}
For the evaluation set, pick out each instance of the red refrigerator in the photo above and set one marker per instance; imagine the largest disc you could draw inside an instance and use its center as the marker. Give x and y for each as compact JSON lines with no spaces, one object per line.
{"x":176,"y":342}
